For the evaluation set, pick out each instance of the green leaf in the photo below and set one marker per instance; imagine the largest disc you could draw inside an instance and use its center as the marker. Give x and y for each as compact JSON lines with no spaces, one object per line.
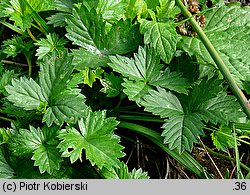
{"x":16,"y":45}
{"x":5,"y":79}
{"x":111,"y":85}
{"x":40,"y":144}
{"x":162,"y":103}
{"x":67,"y":107}
{"x":135,"y":90}
{"x":171,"y":80}
{"x":47,"y":158}
{"x":63,"y":104}
{"x":25,"y":93}
{"x":83,"y":59}
{"x":26,"y":142}
{"x":112,"y":9}
{"x":123,"y":173}
{"x":90,"y":76}
{"x":226,"y":27}
{"x":223,"y":138}
{"x":85,"y":29}
{"x":162,"y":37}
{"x":50,"y":44}
{"x":95,"y":136}
{"x":6,"y":172}
{"x":182,"y":131}
{"x":145,"y":66}
{"x":123,"y":37}
{"x":22,"y":15}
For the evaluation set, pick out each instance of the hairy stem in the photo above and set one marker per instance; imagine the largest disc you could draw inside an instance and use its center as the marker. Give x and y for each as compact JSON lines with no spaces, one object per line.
{"x":217,"y":59}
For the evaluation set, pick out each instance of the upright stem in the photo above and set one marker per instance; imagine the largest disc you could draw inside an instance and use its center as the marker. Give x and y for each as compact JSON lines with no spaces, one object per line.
{"x":29,"y":65}
{"x":31,"y":35}
{"x":217,"y":59}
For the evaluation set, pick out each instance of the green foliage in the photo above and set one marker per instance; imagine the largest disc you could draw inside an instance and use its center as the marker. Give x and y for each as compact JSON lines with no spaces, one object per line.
{"x":223,"y":138}
{"x":51,"y":91}
{"x":144,"y":71}
{"x":21,"y":12}
{"x":49,"y":45}
{"x":5,"y":169}
{"x":123,"y":173}
{"x":230,"y":23}
{"x":162,"y":37}
{"x":40,"y":144}
{"x":90,"y":66}
{"x":95,"y":135}
{"x":16,"y":45}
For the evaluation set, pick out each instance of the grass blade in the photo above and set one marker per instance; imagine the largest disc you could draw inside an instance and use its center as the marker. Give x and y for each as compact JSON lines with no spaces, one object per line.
{"x":185,"y":158}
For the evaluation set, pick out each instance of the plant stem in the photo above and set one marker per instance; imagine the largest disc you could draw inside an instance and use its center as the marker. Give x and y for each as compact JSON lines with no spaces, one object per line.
{"x":226,"y":158}
{"x":211,"y":159}
{"x":237,"y":157}
{"x":217,"y":59}
{"x":31,"y":35}
{"x":29,"y":65}
{"x":12,"y":27}
{"x":5,"y":119}
{"x":14,"y":63}
{"x":39,"y":20}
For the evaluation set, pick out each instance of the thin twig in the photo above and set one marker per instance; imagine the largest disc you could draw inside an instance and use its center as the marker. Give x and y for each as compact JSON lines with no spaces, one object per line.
{"x":129,"y":157}
{"x":138,"y":152}
{"x":5,"y":119}
{"x":15,"y":63}
{"x":211,"y":160}
{"x":168,"y":169}
{"x":234,"y":168}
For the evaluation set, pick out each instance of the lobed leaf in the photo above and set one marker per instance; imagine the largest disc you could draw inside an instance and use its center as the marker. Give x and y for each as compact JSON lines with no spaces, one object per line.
{"x":223,"y":138}
{"x":123,"y":173}
{"x":162,"y":103}
{"x":50,"y":44}
{"x":40,"y":144}
{"x":85,"y":29}
{"x":25,"y":93}
{"x":181,"y":132}
{"x":144,"y":66}
{"x":162,"y":37}
{"x":95,"y":136}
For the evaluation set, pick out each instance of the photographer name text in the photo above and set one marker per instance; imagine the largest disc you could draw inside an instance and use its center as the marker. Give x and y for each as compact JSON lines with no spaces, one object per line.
{"x":44,"y":186}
